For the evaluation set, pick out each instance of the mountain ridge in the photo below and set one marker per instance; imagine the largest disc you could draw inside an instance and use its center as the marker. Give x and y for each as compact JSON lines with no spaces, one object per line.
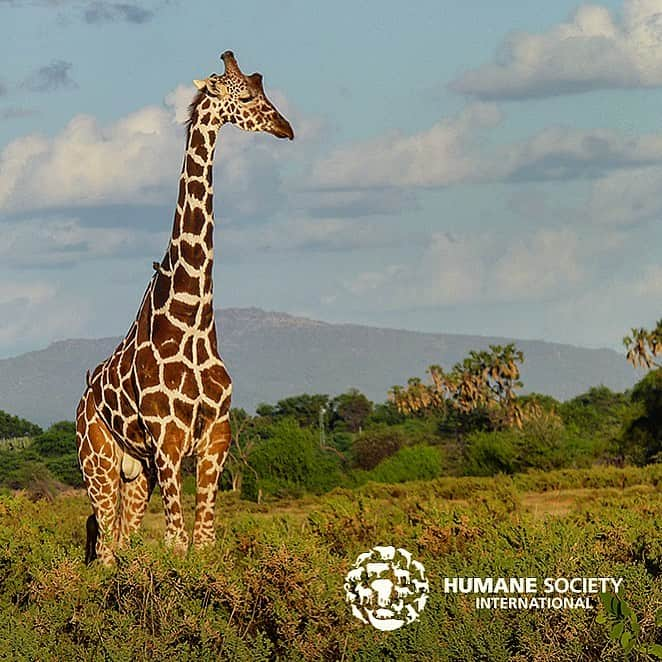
{"x":272,"y":355}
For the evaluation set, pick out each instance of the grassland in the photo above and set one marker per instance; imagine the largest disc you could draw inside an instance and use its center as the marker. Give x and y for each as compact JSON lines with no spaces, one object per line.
{"x":271,"y":588}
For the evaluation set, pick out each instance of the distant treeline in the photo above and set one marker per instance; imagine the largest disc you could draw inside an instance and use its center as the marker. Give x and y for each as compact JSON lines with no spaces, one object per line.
{"x":312,"y":443}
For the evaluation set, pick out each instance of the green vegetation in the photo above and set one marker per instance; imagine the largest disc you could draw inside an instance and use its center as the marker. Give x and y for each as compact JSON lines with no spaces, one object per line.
{"x":471,"y":478}
{"x":44,"y":465}
{"x":283,"y":452}
{"x":13,"y":426}
{"x":272,"y":586}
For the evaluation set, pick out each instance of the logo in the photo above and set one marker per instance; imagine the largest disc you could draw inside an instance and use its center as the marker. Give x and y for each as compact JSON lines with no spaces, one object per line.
{"x":386,"y":588}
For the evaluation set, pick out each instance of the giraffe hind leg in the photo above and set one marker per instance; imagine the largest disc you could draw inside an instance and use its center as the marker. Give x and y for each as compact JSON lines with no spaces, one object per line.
{"x":99,"y":457}
{"x":134,"y":497}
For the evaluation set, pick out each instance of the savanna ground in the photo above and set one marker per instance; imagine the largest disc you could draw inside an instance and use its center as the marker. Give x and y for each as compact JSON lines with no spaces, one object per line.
{"x":272,"y":587}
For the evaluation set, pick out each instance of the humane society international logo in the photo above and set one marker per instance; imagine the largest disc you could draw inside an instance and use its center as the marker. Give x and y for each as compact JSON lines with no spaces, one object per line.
{"x":386,"y":588}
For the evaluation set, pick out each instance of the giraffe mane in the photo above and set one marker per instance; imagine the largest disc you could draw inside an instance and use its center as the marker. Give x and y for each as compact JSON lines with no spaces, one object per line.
{"x":193,"y":106}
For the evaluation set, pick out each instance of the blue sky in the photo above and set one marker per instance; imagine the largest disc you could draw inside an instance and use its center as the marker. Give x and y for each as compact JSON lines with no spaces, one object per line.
{"x":484,"y":168}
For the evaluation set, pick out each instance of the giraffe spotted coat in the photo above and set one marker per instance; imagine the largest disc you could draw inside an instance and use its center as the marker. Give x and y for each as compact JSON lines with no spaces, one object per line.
{"x":164,"y":393}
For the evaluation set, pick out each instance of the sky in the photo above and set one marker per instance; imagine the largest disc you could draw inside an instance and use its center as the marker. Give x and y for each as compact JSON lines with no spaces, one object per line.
{"x":484,"y":168}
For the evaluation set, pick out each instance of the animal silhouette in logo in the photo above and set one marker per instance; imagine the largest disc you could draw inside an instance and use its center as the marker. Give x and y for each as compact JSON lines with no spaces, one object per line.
{"x":386,"y":588}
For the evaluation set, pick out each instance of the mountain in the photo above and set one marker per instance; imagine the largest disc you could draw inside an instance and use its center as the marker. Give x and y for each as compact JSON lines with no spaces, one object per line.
{"x":274,"y":355}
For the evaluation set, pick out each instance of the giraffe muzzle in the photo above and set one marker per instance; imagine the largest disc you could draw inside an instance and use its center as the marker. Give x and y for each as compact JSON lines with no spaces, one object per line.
{"x":283,"y":129}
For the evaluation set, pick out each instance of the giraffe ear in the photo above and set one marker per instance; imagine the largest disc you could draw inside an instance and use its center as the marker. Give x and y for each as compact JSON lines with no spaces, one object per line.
{"x":200,"y":84}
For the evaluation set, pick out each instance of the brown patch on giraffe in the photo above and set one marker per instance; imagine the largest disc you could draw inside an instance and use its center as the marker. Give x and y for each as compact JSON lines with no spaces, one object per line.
{"x":173,"y":252}
{"x":205,"y":104}
{"x":173,"y":439}
{"x":127,"y":359}
{"x":196,"y":221}
{"x":197,"y":138}
{"x":190,"y":386}
{"x":213,"y":339}
{"x":206,"y":466}
{"x":193,"y":169}
{"x":225,"y":407}
{"x":113,"y":378}
{"x":215,"y":381}
{"x":166,"y":473}
{"x":188,"y":348}
{"x":90,"y":407}
{"x":203,"y":153}
{"x":172,"y":375}
{"x":166,"y":336}
{"x":155,"y":404}
{"x":135,"y":431}
{"x":111,"y":399}
{"x":208,"y":280}
{"x":194,"y":254}
{"x":147,"y":367}
{"x":183,"y":411}
{"x":203,"y":354}
{"x":203,"y":418}
{"x":205,"y":118}
{"x":209,"y":202}
{"x":184,"y":312}
{"x":196,"y":189}
{"x":206,"y":316}
{"x":161,"y":291}
{"x":181,"y":199}
{"x":183,"y":282}
{"x":142,"y":331}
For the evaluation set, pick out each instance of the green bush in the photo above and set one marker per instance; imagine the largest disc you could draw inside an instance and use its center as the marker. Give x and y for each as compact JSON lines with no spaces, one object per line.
{"x":58,"y":440}
{"x":410,"y":463}
{"x":65,"y":468}
{"x":13,"y":426}
{"x":490,"y":453}
{"x":642,"y":436}
{"x":373,"y":446}
{"x":290,"y":462}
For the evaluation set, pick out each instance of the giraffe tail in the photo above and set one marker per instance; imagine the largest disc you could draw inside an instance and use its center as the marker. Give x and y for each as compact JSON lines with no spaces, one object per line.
{"x":92,"y":528}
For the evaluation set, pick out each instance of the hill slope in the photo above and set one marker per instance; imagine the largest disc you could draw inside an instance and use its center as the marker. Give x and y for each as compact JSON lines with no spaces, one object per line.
{"x":273,"y":355}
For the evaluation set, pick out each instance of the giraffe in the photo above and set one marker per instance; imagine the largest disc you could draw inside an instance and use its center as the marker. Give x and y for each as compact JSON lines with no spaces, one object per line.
{"x":164,"y":393}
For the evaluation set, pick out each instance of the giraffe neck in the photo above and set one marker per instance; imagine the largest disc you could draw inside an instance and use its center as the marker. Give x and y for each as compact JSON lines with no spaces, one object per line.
{"x":189,"y":259}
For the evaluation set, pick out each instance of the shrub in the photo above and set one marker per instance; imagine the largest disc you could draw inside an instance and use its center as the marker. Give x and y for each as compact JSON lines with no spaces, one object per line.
{"x":410,"y":463}
{"x":58,"y":440}
{"x":490,"y":453}
{"x":13,"y":426}
{"x":290,"y":462}
{"x":373,"y":446}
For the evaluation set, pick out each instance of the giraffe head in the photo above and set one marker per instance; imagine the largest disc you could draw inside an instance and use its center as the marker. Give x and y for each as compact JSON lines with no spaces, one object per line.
{"x":241,"y":100}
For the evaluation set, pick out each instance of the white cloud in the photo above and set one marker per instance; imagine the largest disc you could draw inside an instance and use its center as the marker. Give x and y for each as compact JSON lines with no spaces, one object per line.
{"x":544,"y":265}
{"x":451,"y":153}
{"x":136,"y":160}
{"x":627,"y":197}
{"x":32,"y":313}
{"x":592,"y":50}
{"x":90,"y":164}
{"x":58,"y":241}
{"x":468,"y":270}
{"x":442,"y":155}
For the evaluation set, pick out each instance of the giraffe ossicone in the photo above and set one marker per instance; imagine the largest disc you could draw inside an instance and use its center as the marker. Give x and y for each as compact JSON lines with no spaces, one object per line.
{"x":164,"y":393}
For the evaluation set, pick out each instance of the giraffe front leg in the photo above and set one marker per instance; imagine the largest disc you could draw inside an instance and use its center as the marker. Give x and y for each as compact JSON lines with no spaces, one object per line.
{"x":208,"y":470}
{"x":168,"y":470}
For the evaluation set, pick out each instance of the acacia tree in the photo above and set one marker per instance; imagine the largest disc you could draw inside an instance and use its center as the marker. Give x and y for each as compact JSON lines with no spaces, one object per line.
{"x":643,"y":346}
{"x":484,"y":381}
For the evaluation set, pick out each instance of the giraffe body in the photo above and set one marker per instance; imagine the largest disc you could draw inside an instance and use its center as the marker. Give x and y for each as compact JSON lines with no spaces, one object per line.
{"x":164,"y":393}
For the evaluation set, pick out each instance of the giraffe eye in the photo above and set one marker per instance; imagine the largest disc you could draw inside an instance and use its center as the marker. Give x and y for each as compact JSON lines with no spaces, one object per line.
{"x":246,"y":99}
